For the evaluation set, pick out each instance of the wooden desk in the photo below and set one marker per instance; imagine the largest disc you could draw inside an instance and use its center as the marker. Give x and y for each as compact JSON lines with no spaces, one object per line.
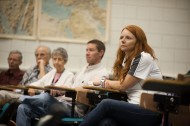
{"x":6,"y":88}
{"x":169,"y":86}
{"x":69,"y":92}
{"x":17,"y":87}
{"x":102,"y":89}
{"x":175,"y":105}
{"x":36,"y":87}
{"x":60,"y":88}
{"x":103,"y":93}
{"x":13,"y":87}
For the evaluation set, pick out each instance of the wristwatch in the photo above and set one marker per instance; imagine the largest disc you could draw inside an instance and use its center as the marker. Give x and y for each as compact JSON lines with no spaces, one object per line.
{"x":102,"y":82}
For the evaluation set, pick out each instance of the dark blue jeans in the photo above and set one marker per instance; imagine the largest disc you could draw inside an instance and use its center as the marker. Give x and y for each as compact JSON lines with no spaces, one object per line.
{"x":33,"y":107}
{"x":121,"y":113}
{"x":38,"y":106}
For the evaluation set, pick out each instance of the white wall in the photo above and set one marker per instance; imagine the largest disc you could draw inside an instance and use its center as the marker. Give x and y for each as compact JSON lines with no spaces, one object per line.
{"x":166,"y":23}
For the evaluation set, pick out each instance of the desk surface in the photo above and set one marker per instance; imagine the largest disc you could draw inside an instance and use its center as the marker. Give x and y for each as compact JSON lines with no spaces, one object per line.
{"x":5,"y":88}
{"x":35,"y":87}
{"x":13,"y":87}
{"x":170,"y":86}
{"x":17,"y":87}
{"x":102,"y":89}
{"x":60,"y":88}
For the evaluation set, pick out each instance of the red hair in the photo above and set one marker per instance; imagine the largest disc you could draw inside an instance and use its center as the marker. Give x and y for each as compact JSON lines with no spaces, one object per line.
{"x":141,"y":45}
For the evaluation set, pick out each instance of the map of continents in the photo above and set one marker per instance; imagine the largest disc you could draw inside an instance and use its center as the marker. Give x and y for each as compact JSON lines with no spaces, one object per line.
{"x":73,"y":19}
{"x":16,"y":17}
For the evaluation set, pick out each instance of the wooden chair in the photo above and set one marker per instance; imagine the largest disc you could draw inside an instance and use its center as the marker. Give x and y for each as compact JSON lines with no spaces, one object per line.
{"x":174,"y":103}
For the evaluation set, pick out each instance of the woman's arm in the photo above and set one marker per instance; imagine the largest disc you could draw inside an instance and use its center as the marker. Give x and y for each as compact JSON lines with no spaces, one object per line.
{"x":129,"y":82}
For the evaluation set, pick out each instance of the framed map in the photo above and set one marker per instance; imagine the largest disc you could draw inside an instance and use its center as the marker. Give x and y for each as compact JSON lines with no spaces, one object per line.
{"x":18,"y":19}
{"x":55,"y":20}
{"x":73,"y":20}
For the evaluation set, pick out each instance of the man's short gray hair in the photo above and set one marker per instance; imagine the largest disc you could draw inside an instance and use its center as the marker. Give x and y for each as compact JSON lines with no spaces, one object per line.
{"x":16,"y":52}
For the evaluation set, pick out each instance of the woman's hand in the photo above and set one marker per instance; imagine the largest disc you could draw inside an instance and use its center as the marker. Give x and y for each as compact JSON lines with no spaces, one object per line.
{"x":96,"y":83}
{"x":106,"y":83}
{"x":56,"y":93}
{"x":100,"y":82}
{"x":31,"y":91}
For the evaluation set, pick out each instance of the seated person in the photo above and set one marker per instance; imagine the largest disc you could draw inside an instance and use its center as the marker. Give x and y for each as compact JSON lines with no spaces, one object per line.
{"x":59,"y":76}
{"x":42,"y":67}
{"x":43,"y":55}
{"x":94,"y":70}
{"x":13,"y":75}
{"x":135,"y":62}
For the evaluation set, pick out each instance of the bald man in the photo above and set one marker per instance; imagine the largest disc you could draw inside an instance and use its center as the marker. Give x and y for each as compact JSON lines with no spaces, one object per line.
{"x":43,"y":55}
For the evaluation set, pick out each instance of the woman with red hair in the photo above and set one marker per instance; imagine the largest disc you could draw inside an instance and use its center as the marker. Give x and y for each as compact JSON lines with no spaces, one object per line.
{"x":135,"y":62}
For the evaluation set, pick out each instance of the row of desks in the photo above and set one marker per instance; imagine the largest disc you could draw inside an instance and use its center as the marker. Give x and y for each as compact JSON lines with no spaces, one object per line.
{"x":181,"y":89}
{"x":11,"y":87}
{"x":85,"y":95}
{"x":81,"y":94}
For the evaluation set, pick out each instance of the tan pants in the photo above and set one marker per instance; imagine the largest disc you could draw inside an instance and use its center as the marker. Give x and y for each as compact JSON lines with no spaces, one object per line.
{"x":6,"y":96}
